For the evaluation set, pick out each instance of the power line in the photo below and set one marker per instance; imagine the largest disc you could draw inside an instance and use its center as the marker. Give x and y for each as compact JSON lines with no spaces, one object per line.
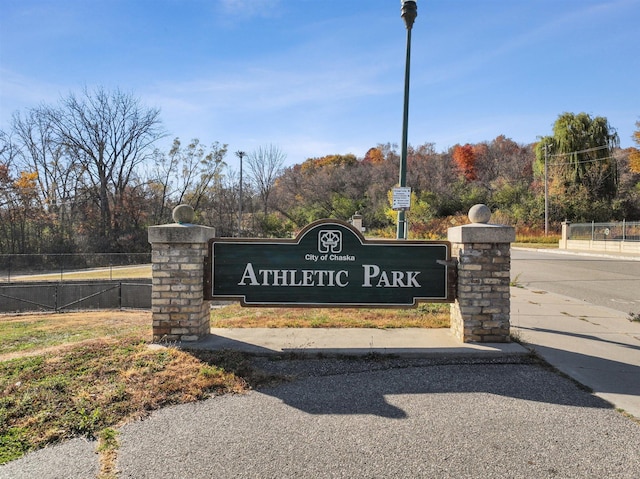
{"x":593,"y":160}
{"x":595,"y":148}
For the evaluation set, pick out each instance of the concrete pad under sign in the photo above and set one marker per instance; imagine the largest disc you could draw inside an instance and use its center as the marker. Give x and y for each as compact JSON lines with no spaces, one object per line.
{"x":404,"y":342}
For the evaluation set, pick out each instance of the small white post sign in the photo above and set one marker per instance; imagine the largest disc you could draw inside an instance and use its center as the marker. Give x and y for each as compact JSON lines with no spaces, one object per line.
{"x":401,"y":198}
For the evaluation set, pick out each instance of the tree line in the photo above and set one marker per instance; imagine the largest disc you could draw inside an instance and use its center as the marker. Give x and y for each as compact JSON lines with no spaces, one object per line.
{"x":85,"y":175}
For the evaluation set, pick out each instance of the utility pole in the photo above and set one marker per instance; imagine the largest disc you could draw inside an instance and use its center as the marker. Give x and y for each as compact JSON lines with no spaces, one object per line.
{"x":240,"y":154}
{"x":546,"y":189}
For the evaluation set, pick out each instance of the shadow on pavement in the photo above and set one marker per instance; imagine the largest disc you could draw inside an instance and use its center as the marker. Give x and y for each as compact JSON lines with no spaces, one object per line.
{"x":588,"y":337}
{"x":368,"y":392}
{"x":361,"y":384}
{"x":599,"y":374}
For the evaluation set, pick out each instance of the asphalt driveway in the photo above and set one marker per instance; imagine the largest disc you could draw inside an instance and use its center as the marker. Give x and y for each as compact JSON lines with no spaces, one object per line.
{"x":373,"y":417}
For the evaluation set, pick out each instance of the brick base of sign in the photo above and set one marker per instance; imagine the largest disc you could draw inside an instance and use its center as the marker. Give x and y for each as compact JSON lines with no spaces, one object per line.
{"x":481,"y":312}
{"x":179,"y":312}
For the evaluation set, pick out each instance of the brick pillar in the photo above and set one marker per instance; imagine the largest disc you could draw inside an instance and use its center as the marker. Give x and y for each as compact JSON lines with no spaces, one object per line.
{"x":178,"y":250}
{"x":481,"y":312}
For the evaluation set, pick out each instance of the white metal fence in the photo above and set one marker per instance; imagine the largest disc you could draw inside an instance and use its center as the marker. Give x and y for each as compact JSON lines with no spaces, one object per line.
{"x":621,"y":231}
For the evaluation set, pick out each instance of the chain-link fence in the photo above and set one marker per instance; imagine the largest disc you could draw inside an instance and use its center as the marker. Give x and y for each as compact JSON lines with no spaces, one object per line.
{"x":73,"y":266}
{"x":622,"y":231}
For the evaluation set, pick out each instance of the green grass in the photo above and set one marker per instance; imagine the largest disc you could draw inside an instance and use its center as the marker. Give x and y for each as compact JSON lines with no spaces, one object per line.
{"x":85,"y":389}
{"x":20,"y":336}
{"x":78,"y":374}
{"x":38,"y":331}
{"x":537,"y":241}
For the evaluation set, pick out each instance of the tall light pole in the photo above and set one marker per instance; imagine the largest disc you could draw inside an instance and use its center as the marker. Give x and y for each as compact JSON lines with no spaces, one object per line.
{"x":409,"y":12}
{"x":240,"y":154}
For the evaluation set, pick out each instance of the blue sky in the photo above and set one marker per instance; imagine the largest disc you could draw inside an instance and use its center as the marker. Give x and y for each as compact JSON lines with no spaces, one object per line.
{"x":318,"y":77}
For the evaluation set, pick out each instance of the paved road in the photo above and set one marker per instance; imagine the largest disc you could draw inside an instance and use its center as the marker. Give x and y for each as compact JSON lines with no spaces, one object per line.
{"x":373,"y":418}
{"x":604,"y":281}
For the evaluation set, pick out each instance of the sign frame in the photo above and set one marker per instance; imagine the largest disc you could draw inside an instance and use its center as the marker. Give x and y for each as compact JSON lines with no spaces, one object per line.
{"x":299,"y":261}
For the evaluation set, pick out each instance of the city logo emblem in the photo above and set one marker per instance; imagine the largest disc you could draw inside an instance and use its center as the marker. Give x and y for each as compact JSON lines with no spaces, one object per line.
{"x":329,"y":241}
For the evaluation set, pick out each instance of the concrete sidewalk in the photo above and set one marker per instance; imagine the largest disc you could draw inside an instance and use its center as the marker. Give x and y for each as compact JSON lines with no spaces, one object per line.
{"x":598,"y":347}
{"x":331,"y":342}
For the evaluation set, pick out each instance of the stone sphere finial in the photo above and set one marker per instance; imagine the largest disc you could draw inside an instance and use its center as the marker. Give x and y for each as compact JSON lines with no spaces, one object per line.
{"x":183,"y":214}
{"x":479,"y":214}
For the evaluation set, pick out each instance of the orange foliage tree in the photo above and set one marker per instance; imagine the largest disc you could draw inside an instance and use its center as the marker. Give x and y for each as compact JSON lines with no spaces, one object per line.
{"x":373,"y":156}
{"x":465,"y":160}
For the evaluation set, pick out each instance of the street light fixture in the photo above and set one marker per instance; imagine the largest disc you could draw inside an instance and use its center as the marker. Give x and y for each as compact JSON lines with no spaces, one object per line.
{"x":409,"y":12}
{"x":240,"y":154}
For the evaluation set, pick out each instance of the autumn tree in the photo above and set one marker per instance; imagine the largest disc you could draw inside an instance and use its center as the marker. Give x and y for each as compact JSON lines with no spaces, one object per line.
{"x":379,"y":177}
{"x":503,"y":159}
{"x":19,"y":205}
{"x":160,"y":181}
{"x":420,"y":174}
{"x":200,"y":172}
{"x":374,"y":156}
{"x":326,"y":187}
{"x":336,"y":161}
{"x":634,"y":153}
{"x":465,"y":159}
{"x":6,"y":223}
{"x":190,"y":173}
{"x":19,"y":211}
{"x":59,"y":179}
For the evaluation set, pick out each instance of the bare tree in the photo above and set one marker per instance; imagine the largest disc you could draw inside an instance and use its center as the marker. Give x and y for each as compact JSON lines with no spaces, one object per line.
{"x":185,"y":174}
{"x":109,"y":134}
{"x":265,"y":165}
{"x":202,"y":172}
{"x":159,"y":181}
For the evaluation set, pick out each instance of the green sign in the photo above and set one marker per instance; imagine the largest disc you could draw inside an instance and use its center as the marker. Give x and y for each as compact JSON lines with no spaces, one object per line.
{"x":329,"y":264}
